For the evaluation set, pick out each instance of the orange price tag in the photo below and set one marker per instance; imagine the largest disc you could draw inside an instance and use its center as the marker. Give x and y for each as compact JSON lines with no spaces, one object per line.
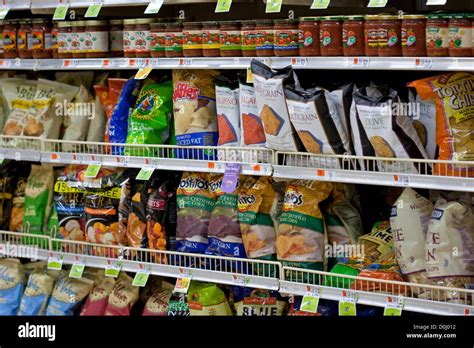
{"x":256,"y":168}
{"x":320,"y":172}
{"x":131,"y":62}
{"x":54,"y":156}
{"x":106,"y":63}
{"x":211,"y":165}
{"x":66,"y":63}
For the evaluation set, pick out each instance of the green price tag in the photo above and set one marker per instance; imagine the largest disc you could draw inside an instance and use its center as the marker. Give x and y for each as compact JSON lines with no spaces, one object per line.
{"x":55,"y":263}
{"x":145,"y":173}
{"x":141,"y":278}
{"x":4,"y":12}
{"x":392,"y":312}
{"x":113,"y":269}
{"x":93,"y":10}
{"x":92,"y":170}
{"x":154,"y":6}
{"x":60,"y":12}
{"x":377,"y":3}
{"x":76,"y":270}
{"x":320,"y":4}
{"x":347,"y":308}
{"x":223,"y":6}
{"x":309,"y":303}
{"x":394,"y":306}
{"x":273,"y":6}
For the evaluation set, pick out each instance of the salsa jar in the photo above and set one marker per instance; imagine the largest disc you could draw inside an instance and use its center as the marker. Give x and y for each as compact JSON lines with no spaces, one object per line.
{"x":460,"y":36}
{"x":308,"y":36}
{"x":414,"y":36}
{"x":353,"y":40}
{"x":116,"y":38}
{"x":437,"y":36}
{"x":286,"y":38}
{"x":42,"y":39}
{"x":97,"y":39}
{"x":192,"y":39}
{"x":24,"y":40}
{"x":330,"y":36}
{"x":248,"y":39}
{"x":129,"y":38}
{"x":230,"y":38}
{"x":371,"y":35}
{"x":158,"y":37}
{"x":78,"y":38}
{"x":173,"y":40}
{"x":10,"y":30}
{"x":143,"y":37}
{"x":1,"y":39}
{"x":64,"y":40}
{"x":390,"y":32}
{"x":264,"y":37}
{"x":54,"y":40}
{"x":211,"y":39}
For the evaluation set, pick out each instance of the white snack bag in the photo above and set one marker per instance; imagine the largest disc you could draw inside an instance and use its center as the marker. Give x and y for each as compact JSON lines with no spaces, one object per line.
{"x":18,"y":96}
{"x":78,"y":115}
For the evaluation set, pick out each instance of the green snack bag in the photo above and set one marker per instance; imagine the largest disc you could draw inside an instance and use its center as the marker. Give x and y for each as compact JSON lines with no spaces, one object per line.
{"x":339,"y":282}
{"x":207,"y":299}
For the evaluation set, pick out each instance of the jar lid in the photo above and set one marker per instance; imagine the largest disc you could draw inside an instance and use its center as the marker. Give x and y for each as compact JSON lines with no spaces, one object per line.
{"x":192,"y":24}
{"x":129,"y":22}
{"x":96,"y":23}
{"x":64,"y":24}
{"x":144,"y":20}
{"x":309,"y":19}
{"x":332,"y":18}
{"x":264,"y":21}
{"x":210,"y":23}
{"x":354,"y":18}
{"x":173,"y":24}
{"x":371,"y":17}
{"x":24,"y":22}
{"x":459,"y":15}
{"x":389,"y":17}
{"x":116,"y":22}
{"x":248,"y":22}
{"x":286,"y":21}
{"x":230,"y":23}
{"x":39,"y":20}
{"x":414,"y":16}
{"x":78,"y":24}
{"x":157,"y":25}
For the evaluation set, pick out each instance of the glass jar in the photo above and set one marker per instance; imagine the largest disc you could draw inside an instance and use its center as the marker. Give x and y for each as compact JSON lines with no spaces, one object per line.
{"x":129,"y":38}
{"x":414,"y":36}
{"x":390,"y":32}
{"x":264,"y":38}
{"x":158,"y":37}
{"x":248,"y":39}
{"x":116,"y":38}
{"x":286,"y":38}
{"x":1,"y":39}
{"x":330,"y":36}
{"x":54,"y":40}
{"x":24,"y":40}
{"x":143,"y":37}
{"x":78,"y":39}
{"x":437,"y":36}
{"x":173,"y":40}
{"x":371,"y":35}
{"x":308,"y":36}
{"x":192,"y":39}
{"x":211,"y":39}
{"x":42,"y":40}
{"x":97,"y":39}
{"x":460,"y":36}
{"x":230,"y":37}
{"x":10,"y":30}
{"x":353,"y":39}
{"x":65,"y":40}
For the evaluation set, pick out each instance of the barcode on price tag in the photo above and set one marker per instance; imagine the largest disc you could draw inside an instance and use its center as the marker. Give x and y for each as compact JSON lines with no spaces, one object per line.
{"x":423,"y":63}
{"x":182,"y":284}
{"x":394,"y":306}
{"x":185,"y":61}
{"x":361,"y":62}
{"x":299,"y":62}
{"x":401,"y":180}
{"x":70,"y":63}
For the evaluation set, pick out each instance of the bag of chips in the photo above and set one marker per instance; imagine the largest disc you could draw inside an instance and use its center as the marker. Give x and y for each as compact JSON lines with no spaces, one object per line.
{"x":137,"y":218}
{"x":9,"y":172}
{"x":123,"y":296}
{"x":12,"y":283}
{"x":207,"y":299}
{"x":18,"y":201}
{"x":19,"y":96}
{"x":158,"y":303}
{"x":37,"y":292}
{"x":257,"y":302}
{"x":374,"y":245}
{"x":228,"y":113}
{"x":253,"y":133}
{"x":98,"y":298}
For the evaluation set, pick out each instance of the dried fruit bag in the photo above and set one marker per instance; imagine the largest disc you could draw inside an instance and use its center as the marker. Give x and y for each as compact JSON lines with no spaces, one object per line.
{"x":453,"y":94}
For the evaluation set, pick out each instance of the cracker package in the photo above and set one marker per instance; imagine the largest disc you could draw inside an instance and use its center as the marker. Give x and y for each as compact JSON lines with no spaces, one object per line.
{"x":207,"y":299}
{"x":158,"y":302}
{"x":301,"y":233}
{"x":341,"y":99}
{"x":253,"y":133}
{"x":37,"y":292}
{"x":317,"y":121}
{"x":12,"y":283}
{"x":123,"y":296}
{"x":453,"y":94}
{"x":19,"y":95}
{"x":98,"y":298}
{"x":228,"y":112}
{"x":257,"y":302}
{"x":97,"y":124}
{"x":272,"y":107}
{"x":381,"y":127}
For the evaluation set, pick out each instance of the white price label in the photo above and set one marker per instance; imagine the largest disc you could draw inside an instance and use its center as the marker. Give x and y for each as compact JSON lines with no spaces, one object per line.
{"x":241,"y":280}
{"x":299,"y":62}
{"x":349,"y":296}
{"x":77,"y":159}
{"x":401,"y":180}
{"x":377,"y":3}
{"x":324,"y":174}
{"x":312,"y":291}
{"x":132,"y":62}
{"x":236,"y":61}
{"x":55,"y":157}
{"x":182,"y":284}
{"x":423,"y":63}
{"x":5,"y":63}
{"x":154,"y":6}
{"x":436,"y":2}
{"x":394,"y":306}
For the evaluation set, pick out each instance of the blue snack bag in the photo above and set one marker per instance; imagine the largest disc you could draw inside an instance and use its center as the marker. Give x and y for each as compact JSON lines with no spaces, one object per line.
{"x":12,"y":284}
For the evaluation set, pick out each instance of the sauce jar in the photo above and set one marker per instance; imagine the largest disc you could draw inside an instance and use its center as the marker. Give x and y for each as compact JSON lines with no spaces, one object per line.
{"x":143,"y":37}
{"x":42,"y":39}
{"x":390,"y":31}
{"x":116,"y":38}
{"x":192,"y":39}
{"x":211,"y":39}
{"x":173,"y":40}
{"x":10,"y":30}
{"x":230,"y":37}
{"x":286,"y":38}
{"x":97,"y":39}
{"x":371,"y":35}
{"x":264,"y":37}
{"x":158,"y":37}
{"x":353,"y":38}
{"x":330,"y":36}
{"x":437,"y":36}
{"x":65,"y":40}
{"x":1,"y":39}
{"x":129,"y":38}
{"x":308,"y":36}
{"x":414,"y":36}
{"x":248,"y":39}
{"x":54,"y":40}
{"x":460,"y":36}
{"x":24,"y":40}
{"x":78,"y":38}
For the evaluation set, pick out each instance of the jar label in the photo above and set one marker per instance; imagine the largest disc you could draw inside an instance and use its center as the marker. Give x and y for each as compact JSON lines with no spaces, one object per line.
{"x":305,"y":38}
{"x":29,"y":41}
{"x":324,"y":38}
{"x":22,"y":39}
{"x":408,"y":37}
{"x":372,"y":38}
{"x":174,"y":42}
{"x":230,"y":40}
{"x":38,"y":39}
{"x":248,"y":40}
{"x":437,"y":37}
{"x":48,"y":41}
{"x":64,"y":42}
{"x":286,"y":39}
{"x":460,"y":37}
{"x":54,"y":39}
{"x":97,"y":41}
{"x":192,"y":39}
{"x":264,"y":39}
{"x":142,"y":41}
{"x":78,"y":42}
{"x":388,"y":38}
{"x":348,"y":38}
{"x":158,"y":42}
{"x":9,"y":40}
{"x":116,"y":40}
{"x":129,"y":41}
{"x":211,"y":39}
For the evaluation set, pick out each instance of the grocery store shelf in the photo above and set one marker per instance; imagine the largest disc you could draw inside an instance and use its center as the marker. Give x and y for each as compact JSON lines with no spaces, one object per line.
{"x":326,"y":63}
{"x":45,"y":4}
{"x":376,"y":292}
{"x":378,"y":171}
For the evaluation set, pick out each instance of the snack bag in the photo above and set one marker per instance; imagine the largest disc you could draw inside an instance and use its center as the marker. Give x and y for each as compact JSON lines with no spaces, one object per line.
{"x":207,"y":299}
{"x":452,"y":93}
{"x":257,"y":302}
{"x":137,"y":218}
{"x":18,"y":204}
{"x":228,"y":113}
{"x":425,"y":123}
{"x":11,"y":175}
{"x":374,"y":245}
{"x":37,"y":292}
{"x":97,"y":124}
{"x":12,"y":283}
{"x":19,"y":96}
{"x":123,"y":296}
{"x":98,"y":298}
{"x":253,"y":133}
{"x":78,"y":116}
{"x":341,"y":99}
{"x":158,"y":303}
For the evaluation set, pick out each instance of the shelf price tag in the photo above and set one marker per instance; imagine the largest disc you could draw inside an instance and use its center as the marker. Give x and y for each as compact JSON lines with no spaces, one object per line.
{"x":185,"y":61}
{"x":70,"y":63}
{"x":436,"y":2}
{"x":241,"y":280}
{"x":4,"y":11}
{"x":273,"y":6}
{"x":394,"y":306}
{"x":401,"y":180}
{"x":223,"y":6}
{"x":423,"y":63}
{"x":145,"y":173}
{"x":55,"y":262}
{"x":113,"y":268}
{"x":299,"y":62}
{"x":377,"y":3}
{"x":92,"y":170}
{"x":347,"y":304}
{"x":154,"y":6}
{"x":141,"y":277}
{"x":143,"y":73}
{"x":60,"y":12}
{"x":231,"y":177}
{"x":77,"y":268}
{"x":320,"y":4}
{"x":310,"y":300}
{"x":182,"y":284}
{"x":94,"y":9}
{"x":55,"y":157}
{"x":468,"y":312}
